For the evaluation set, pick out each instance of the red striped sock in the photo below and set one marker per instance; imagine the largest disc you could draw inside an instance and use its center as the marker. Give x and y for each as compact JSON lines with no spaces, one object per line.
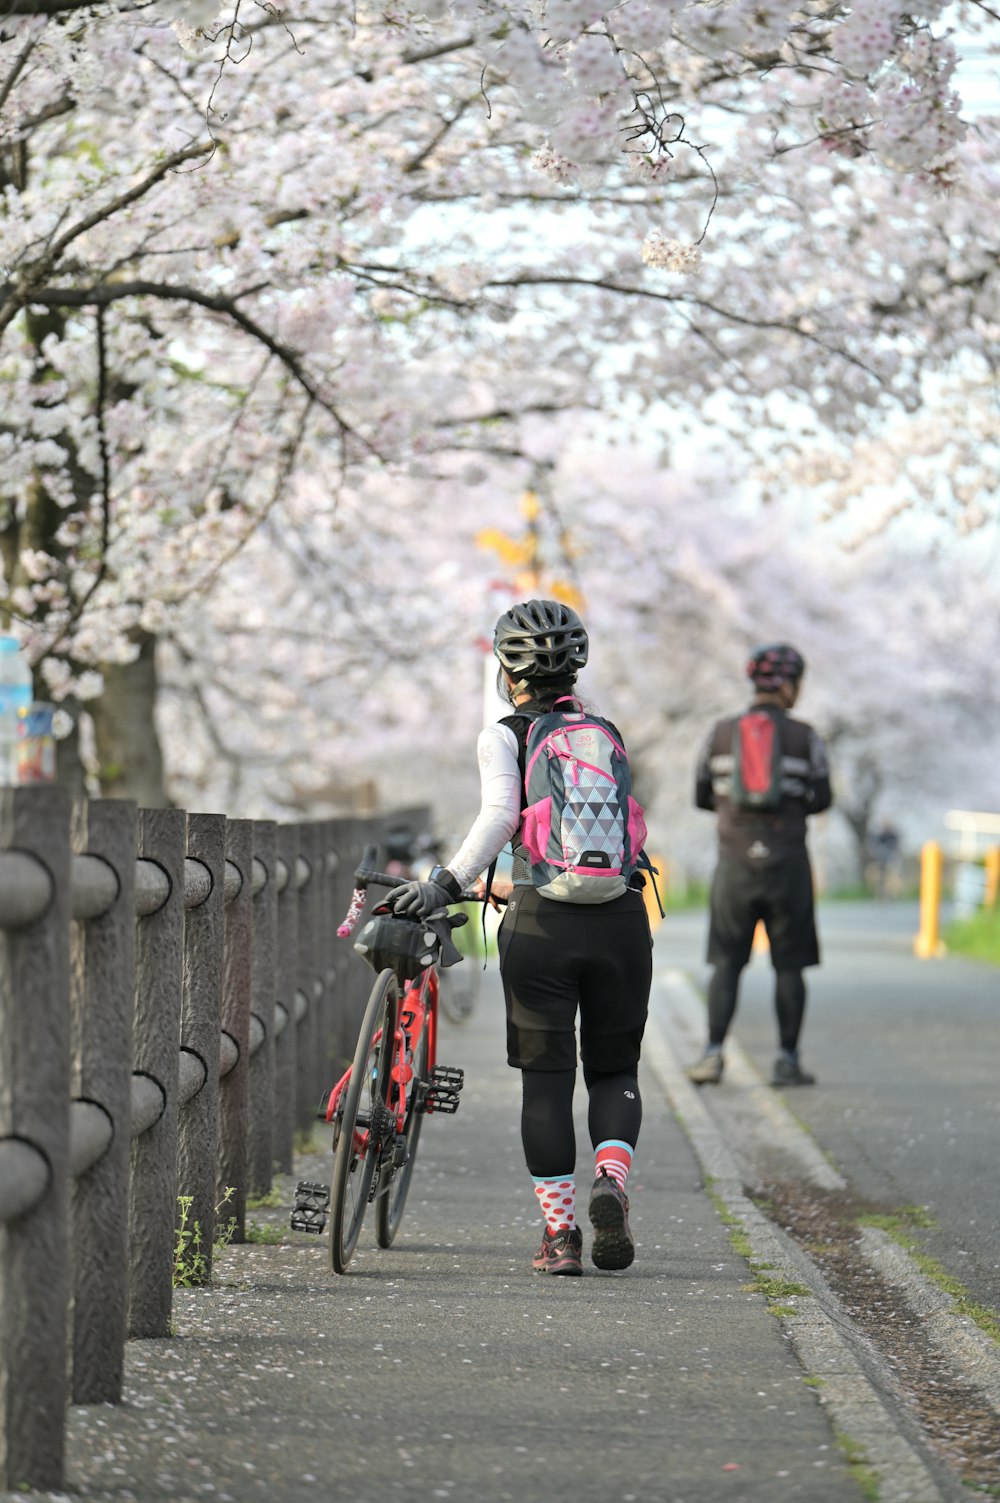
{"x":615,"y":1157}
{"x":557,"y":1198}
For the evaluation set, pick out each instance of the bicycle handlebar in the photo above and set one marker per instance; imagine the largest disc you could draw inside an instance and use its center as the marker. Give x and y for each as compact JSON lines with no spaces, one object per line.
{"x":366,"y":876}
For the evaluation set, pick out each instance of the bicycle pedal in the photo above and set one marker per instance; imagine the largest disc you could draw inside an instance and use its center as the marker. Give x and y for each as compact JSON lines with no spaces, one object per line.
{"x":444,"y":1088}
{"x":312,"y":1201}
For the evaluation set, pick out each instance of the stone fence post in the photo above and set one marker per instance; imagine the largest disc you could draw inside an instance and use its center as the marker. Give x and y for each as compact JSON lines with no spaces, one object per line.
{"x":173,"y":1004}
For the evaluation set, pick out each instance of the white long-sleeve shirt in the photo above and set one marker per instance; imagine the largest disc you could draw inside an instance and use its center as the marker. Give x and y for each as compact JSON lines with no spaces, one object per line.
{"x":500,"y":810}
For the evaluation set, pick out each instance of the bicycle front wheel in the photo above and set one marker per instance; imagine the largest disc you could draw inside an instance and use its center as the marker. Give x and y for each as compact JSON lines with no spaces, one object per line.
{"x":359,"y":1125}
{"x":389,"y":1206}
{"x":458,"y":990}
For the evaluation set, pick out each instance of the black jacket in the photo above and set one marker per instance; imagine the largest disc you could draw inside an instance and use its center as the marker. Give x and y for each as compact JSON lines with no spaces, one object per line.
{"x":764,"y":837}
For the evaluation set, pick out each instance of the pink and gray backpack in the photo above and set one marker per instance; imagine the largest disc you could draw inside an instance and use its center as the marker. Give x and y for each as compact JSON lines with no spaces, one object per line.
{"x":581,"y":830}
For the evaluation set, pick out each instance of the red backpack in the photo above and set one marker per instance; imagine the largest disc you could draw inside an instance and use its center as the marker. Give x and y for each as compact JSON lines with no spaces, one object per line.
{"x":756,"y":777}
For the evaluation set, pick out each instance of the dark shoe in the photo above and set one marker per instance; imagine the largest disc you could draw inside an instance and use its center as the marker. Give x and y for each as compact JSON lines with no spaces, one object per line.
{"x":613,"y":1245}
{"x":789,"y":1072}
{"x":707,"y":1070}
{"x":559,"y":1252}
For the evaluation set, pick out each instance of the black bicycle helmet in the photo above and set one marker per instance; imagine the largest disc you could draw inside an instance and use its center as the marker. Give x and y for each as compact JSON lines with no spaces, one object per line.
{"x":774,"y":665}
{"x":541,"y":639}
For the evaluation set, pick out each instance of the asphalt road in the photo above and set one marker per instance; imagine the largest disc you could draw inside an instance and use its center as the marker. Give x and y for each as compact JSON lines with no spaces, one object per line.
{"x":907,"y":1055}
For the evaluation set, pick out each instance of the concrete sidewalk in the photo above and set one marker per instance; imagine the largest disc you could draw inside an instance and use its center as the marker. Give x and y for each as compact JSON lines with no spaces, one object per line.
{"x":444,"y":1368}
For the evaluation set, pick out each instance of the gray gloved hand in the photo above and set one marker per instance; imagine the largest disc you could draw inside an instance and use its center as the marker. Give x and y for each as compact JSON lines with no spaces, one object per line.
{"x":417,"y":899}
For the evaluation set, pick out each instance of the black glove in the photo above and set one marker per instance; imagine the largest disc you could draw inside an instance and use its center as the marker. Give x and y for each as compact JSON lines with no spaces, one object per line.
{"x":417,"y":899}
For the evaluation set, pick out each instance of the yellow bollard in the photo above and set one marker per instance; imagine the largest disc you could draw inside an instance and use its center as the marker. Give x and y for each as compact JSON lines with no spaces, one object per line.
{"x":991,"y":861}
{"x":928,"y":944}
{"x":649,"y":896}
{"x":761,"y":943}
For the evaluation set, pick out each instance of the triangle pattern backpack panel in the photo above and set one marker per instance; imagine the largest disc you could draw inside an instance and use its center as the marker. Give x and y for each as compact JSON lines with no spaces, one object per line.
{"x":581,"y":829}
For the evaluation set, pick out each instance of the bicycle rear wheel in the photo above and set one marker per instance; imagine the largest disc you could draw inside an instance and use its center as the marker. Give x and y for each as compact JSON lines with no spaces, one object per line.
{"x":390,"y":1205}
{"x":359,"y":1125}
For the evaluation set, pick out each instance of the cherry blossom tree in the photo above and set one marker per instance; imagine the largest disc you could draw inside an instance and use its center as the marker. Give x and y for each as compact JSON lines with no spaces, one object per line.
{"x":279,"y":695}
{"x":254,"y":260}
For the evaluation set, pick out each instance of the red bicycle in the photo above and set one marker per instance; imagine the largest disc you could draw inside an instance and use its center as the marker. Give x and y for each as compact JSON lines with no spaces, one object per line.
{"x":378,"y":1105}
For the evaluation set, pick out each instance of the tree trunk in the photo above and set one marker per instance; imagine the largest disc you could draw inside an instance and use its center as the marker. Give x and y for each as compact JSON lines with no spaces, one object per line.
{"x":69,"y":765}
{"x":858,"y":810}
{"x":128,"y":747}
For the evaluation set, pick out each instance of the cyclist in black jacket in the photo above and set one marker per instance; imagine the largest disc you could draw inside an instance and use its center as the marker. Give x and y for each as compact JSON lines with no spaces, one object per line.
{"x":763,"y":870}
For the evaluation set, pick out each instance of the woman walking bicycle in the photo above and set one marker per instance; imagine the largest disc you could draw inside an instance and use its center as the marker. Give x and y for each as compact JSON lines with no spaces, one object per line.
{"x":574,"y":942}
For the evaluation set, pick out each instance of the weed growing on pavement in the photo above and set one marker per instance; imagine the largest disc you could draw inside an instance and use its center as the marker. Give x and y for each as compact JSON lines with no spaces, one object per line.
{"x":775,"y":1290}
{"x":957,"y":1419}
{"x":900,"y":1226}
{"x":270,"y":1236}
{"x":857,"y":1464}
{"x":739,"y":1241}
{"x":269,"y":1202}
{"x":190,"y":1259}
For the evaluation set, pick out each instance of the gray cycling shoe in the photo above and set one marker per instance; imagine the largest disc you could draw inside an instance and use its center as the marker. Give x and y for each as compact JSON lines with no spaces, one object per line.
{"x":788,"y":1072}
{"x":613,"y":1246}
{"x":707,"y":1070}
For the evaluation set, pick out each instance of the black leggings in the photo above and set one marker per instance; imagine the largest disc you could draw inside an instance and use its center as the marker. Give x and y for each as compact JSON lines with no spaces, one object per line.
{"x":547,"y":1133}
{"x":789,"y":1003}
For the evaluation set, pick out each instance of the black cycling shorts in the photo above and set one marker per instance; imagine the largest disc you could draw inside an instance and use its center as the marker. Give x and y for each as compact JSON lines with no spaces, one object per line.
{"x":560,"y":958}
{"x":781,"y":896}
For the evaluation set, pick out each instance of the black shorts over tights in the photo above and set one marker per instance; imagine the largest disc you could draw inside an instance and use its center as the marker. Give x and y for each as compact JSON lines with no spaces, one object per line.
{"x":560,"y":958}
{"x":781,"y":896}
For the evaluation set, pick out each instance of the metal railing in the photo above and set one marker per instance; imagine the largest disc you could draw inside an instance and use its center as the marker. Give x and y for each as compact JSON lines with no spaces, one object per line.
{"x":172,"y":1002}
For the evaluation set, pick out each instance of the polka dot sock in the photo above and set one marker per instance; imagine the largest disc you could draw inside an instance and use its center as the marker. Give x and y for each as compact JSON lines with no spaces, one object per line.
{"x":557,"y":1198}
{"x":615,"y":1157}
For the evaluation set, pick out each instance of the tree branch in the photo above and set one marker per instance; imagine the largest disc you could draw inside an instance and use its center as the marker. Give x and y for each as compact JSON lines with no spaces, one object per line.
{"x":159,"y":172}
{"x":684,"y":299}
{"x":63,"y":7}
{"x":103,"y":450}
{"x":19,"y":291}
{"x":17,"y":69}
{"x":104,"y":296}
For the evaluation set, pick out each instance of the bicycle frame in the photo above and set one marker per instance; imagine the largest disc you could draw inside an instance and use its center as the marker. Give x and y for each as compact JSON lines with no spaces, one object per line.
{"x":418,"y":1009}
{"x":382,"y":1097}
{"x":392,"y":1082}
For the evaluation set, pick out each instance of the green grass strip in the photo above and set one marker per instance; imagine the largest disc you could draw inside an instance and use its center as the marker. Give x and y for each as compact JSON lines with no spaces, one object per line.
{"x":857,"y":1464}
{"x":977,"y":936}
{"x":901,"y":1227}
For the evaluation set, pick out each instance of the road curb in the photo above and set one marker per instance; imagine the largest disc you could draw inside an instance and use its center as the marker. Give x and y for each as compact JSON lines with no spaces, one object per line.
{"x":969,"y":1351}
{"x":854,"y":1377}
{"x":973,"y":1356}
